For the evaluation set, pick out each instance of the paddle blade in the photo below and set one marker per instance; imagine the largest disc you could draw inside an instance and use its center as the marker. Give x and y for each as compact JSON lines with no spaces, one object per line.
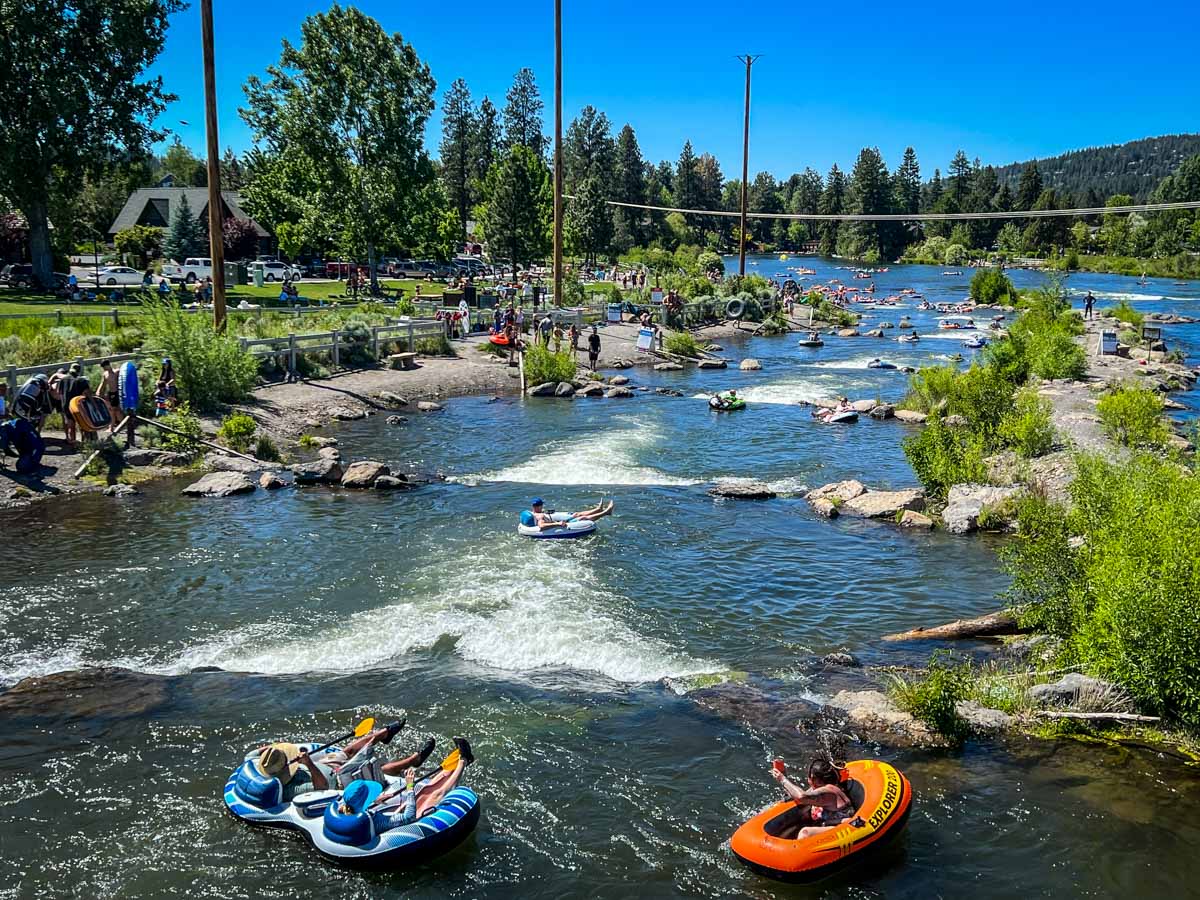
{"x":451,"y":761}
{"x":366,"y":726}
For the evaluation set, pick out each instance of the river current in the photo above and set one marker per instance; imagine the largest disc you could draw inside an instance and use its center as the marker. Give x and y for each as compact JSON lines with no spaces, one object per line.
{"x":293,"y":614}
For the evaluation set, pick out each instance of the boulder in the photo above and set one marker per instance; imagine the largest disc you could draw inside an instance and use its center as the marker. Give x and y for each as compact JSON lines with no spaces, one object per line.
{"x":391,"y":483}
{"x":742,"y":490}
{"x":617,"y":392}
{"x":839,"y":491}
{"x":396,"y":420}
{"x":883,"y":411}
{"x":668,"y":367}
{"x":313,"y":423}
{"x":330,"y":453}
{"x":841,"y":658}
{"x":847,"y":332}
{"x":319,"y":471}
{"x":427,"y":406}
{"x":750,"y":365}
{"x":320,"y":442}
{"x":912,"y":519}
{"x":592,"y":390}
{"x":120,"y":490}
{"x":982,"y":719}
{"x":85,"y":695}
{"x":874,"y":712}
{"x":269,"y":481}
{"x":346,"y":414}
{"x":668,"y":392}
{"x":392,"y":399}
{"x":545,"y":389}
{"x":1071,"y":690}
{"x":955,"y":421}
{"x":220,"y":484}
{"x":565,"y":389}
{"x":219,"y":462}
{"x":966,"y":502}
{"x":145,"y":456}
{"x":884,"y":504}
{"x":620,"y":364}
{"x":712,"y":364}
{"x":619,"y":380}
{"x":910,"y":416}
{"x":823,"y":506}
{"x":362,"y":474}
{"x":886,"y":325}
{"x":863,"y":406}
{"x":875,"y":332}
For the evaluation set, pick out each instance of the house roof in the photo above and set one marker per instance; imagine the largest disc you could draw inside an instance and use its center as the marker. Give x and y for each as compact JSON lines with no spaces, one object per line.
{"x":163,"y":200}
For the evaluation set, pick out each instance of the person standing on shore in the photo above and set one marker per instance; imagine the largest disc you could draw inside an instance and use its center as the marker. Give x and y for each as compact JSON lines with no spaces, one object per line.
{"x":108,"y":390}
{"x":593,"y":348}
{"x":1089,"y":303}
{"x":573,"y":334}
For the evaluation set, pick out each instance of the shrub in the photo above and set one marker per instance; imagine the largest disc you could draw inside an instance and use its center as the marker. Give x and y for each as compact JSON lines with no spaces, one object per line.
{"x":182,"y":419}
{"x":942,"y":456}
{"x":307,"y":441}
{"x":991,"y":286}
{"x":265,"y":449}
{"x":542,"y":365}
{"x":1133,"y":417}
{"x":237,"y":431}
{"x":774,"y":324}
{"x":1123,"y":312}
{"x":932,"y":699}
{"x":1054,"y":354}
{"x":1027,"y":427}
{"x":126,"y":340}
{"x":681,"y":343}
{"x":956,"y":255}
{"x":931,"y":388}
{"x":710,"y":263}
{"x":211,"y":369}
{"x":435,"y":346}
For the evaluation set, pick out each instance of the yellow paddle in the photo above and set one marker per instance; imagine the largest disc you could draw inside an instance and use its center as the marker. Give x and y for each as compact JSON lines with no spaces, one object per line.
{"x":363,"y":727}
{"x":447,"y":765}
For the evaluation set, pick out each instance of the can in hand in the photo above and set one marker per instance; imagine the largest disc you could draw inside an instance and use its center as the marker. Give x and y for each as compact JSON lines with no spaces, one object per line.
{"x":779,"y":766}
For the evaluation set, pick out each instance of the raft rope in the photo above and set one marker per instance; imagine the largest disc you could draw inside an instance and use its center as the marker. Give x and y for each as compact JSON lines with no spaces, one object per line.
{"x":918,"y":217}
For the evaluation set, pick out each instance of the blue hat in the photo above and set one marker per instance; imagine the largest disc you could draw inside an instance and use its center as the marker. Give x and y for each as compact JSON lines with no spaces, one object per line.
{"x":536,"y":501}
{"x":357,"y":795}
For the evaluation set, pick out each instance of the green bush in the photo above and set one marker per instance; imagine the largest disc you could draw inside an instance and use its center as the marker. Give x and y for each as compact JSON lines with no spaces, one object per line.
{"x":237,"y":431}
{"x":182,"y":419}
{"x":542,"y":365}
{"x":211,"y":369}
{"x":681,"y":343}
{"x":933,"y":699}
{"x":265,"y":449}
{"x":991,"y":286}
{"x":126,"y":340}
{"x":435,"y":346}
{"x":1133,"y":417}
{"x":1027,"y":428}
{"x":942,"y":456}
{"x":1123,"y":312}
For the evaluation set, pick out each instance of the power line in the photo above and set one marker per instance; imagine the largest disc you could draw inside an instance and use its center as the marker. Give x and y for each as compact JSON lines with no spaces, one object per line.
{"x":919,"y":217}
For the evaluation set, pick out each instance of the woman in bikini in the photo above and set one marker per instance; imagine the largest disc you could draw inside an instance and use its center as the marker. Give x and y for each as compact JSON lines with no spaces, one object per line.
{"x":826,"y":804}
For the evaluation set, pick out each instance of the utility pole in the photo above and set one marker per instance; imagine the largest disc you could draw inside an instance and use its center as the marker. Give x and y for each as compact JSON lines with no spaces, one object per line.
{"x":558,"y":162}
{"x":216,"y":237}
{"x":749,"y":61}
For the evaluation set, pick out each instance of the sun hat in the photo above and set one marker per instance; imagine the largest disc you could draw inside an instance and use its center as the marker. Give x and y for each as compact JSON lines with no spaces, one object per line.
{"x":274,"y":761}
{"x":356,"y":796}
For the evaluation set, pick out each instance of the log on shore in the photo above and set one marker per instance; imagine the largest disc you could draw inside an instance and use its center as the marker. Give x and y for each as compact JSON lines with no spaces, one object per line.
{"x":997,"y":624}
{"x":1096,"y":716}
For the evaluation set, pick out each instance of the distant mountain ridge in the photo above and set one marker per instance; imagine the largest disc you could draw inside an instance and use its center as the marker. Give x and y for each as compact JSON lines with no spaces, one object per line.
{"x":1133,"y":168}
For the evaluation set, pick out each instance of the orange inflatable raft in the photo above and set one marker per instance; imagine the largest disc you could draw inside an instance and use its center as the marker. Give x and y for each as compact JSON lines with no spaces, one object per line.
{"x":882,"y":797}
{"x":500,"y":340}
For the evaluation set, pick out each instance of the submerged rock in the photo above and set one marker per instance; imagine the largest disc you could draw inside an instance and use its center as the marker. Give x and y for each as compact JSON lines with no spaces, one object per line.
{"x":391,"y":483}
{"x":220,"y":484}
{"x":85,"y":693}
{"x":840,"y":658}
{"x":743,"y":490}
{"x":396,"y":420}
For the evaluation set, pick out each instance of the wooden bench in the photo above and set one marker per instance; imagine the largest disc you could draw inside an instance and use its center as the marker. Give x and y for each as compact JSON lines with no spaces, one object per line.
{"x":402,"y":361}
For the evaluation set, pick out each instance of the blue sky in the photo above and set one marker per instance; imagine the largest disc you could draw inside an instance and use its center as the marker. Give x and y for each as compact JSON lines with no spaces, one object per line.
{"x":1004,"y":82}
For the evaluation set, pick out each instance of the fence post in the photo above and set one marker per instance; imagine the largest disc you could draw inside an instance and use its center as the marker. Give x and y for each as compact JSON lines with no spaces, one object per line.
{"x":58,"y":316}
{"x":116,"y":318}
{"x":375,"y":341}
{"x":291,"y":355}
{"x":410,"y":336}
{"x":12,"y":383}
{"x":336,"y":355}
{"x":446,"y":327}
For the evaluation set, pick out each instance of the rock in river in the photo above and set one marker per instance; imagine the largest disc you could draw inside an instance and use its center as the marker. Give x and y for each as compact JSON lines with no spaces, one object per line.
{"x":848,"y":332}
{"x":565,"y":389}
{"x":618,"y":392}
{"x":883,"y":411}
{"x":269,"y":481}
{"x":364,"y":473}
{"x":396,"y":420}
{"x":391,"y":483}
{"x":884,"y":504}
{"x":220,"y":484}
{"x":840,"y":658}
{"x":839,"y":491}
{"x":592,"y":390}
{"x":911,"y":519}
{"x":881,"y":719}
{"x":742,"y":490}
{"x":219,"y":462}
{"x":823,"y":506}
{"x":619,"y":380}
{"x":910,"y":416}
{"x":966,"y":502}
{"x":330,"y":453}
{"x":346,"y":414}
{"x":545,"y":389}
{"x":750,"y":365}
{"x":668,"y":367}
{"x":319,"y":471}
{"x":120,"y":490}
{"x":712,"y":364}
{"x":84,"y":694}
{"x":429,"y":406}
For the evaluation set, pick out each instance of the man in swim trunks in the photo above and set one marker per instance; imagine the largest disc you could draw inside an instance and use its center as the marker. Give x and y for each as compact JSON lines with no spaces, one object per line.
{"x":827,"y":804}
{"x":544,"y":520}
{"x":414,"y":801}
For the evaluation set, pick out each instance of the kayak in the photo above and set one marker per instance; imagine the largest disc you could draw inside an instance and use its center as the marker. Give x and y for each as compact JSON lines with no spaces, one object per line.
{"x":257,"y":800}
{"x":719,"y":405}
{"x":569,"y":529}
{"x":882,"y":798}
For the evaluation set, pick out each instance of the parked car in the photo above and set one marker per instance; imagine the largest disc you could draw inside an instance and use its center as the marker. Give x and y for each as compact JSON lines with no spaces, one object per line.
{"x":194,"y":268}
{"x":279,"y":271}
{"x":117,"y":275}
{"x":18,"y":275}
{"x":417,"y":269}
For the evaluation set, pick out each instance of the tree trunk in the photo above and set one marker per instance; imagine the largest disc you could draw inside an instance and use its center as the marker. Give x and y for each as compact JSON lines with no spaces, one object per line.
{"x":42,"y":256}
{"x":997,"y":624}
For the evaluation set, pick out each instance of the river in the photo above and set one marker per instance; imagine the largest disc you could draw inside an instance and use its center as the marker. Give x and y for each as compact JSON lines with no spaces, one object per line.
{"x":293,"y":614}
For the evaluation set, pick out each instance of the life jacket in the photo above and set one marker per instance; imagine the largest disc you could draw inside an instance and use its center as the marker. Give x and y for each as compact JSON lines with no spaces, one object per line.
{"x":32,"y":400}
{"x":91,"y":413}
{"x":527,"y":519}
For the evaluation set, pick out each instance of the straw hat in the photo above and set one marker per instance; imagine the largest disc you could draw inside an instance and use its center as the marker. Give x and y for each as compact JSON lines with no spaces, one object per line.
{"x":275,"y":761}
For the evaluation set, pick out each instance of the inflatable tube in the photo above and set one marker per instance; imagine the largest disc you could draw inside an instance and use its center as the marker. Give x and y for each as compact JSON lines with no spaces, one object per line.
{"x":90,"y":413}
{"x":499,"y":340}
{"x":813,"y":343}
{"x":570,"y":528}
{"x":880,"y":364}
{"x":882,"y":797}
{"x":257,"y":800}
{"x":975,"y":343}
{"x":734,"y":309}
{"x":848,"y":417}
{"x":127,"y":385}
{"x":718,"y":404}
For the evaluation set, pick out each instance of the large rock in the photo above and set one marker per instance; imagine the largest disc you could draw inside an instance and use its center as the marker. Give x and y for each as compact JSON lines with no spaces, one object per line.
{"x":876,"y":714}
{"x":346,"y":414}
{"x":591,"y":390}
{"x":391,"y":483}
{"x":981,"y":718}
{"x":362,"y":474}
{"x":396,"y":420}
{"x":847,"y":332}
{"x":269,"y":481}
{"x":823,"y":506}
{"x":911,"y":519}
{"x":712,"y":364}
{"x":668,"y":367}
{"x":750,"y":365}
{"x":219,"y":462}
{"x":620,"y":364}
{"x":619,"y":380}
{"x":910,"y":416}
{"x":392,"y":399}
{"x":120,"y":490}
{"x":883,"y":411}
{"x":319,"y":471}
{"x":862,"y":406}
{"x":565,"y":389}
{"x":742,"y":490}
{"x":428,"y":406}
{"x":839,"y":491}
{"x":875,"y":332}
{"x":618,"y":392}
{"x":1073,"y":689}
{"x":884,"y":504}
{"x":966,"y":502}
{"x":145,"y":456}
{"x":319,"y":442}
{"x":841,"y":658}
{"x":330,"y":453}
{"x":545,"y":389}
{"x":220,"y":484}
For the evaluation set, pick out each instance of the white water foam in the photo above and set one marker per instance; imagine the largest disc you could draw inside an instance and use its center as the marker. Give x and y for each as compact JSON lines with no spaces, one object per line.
{"x":809,"y":389}
{"x":854,"y":362}
{"x":610,"y":458}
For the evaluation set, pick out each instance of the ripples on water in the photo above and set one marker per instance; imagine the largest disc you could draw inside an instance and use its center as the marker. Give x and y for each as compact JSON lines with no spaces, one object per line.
{"x":597,"y":778}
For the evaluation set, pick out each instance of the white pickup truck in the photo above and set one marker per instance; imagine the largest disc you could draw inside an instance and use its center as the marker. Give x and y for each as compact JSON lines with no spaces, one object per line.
{"x":194,"y":268}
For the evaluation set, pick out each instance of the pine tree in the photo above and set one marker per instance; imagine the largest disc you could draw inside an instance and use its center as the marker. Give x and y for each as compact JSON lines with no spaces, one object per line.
{"x":629,"y":187}
{"x":232,"y":177}
{"x":523,"y":114}
{"x":832,"y":203}
{"x":870,"y":194}
{"x":710,"y":186}
{"x":517,"y":208}
{"x":186,"y":237}
{"x":487,"y":141}
{"x":805,"y":199}
{"x":589,"y":224}
{"x":457,"y":150}
{"x":588,"y":150}
{"x":1030,"y":187}
{"x":686,"y":185}
{"x":933,"y":192}
{"x":908,"y":183}
{"x":960,"y":178}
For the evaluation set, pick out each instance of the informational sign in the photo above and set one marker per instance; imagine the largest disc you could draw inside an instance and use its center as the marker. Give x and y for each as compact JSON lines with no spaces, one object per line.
{"x":645,"y":339}
{"x":1108,"y":343}
{"x":656,"y":295}
{"x":614,"y":312}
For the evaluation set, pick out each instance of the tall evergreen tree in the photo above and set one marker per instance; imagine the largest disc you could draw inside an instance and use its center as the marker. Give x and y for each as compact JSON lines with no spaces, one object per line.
{"x":710,"y":185}
{"x":1029,"y":188}
{"x":629,"y":187}
{"x":806,"y":198}
{"x":870,"y":193}
{"x":523,"y":114}
{"x":487,"y":141}
{"x":517,"y":208}
{"x":833,"y":202}
{"x":1043,"y":235}
{"x":186,"y":236}
{"x":458,"y":151}
{"x":908,"y":183}
{"x":960,"y":178}
{"x":685,"y":185}
{"x":588,"y":151}
{"x":232,"y":176}
{"x":589,"y":224}
{"x":981,"y":199}
{"x":932,"y":192}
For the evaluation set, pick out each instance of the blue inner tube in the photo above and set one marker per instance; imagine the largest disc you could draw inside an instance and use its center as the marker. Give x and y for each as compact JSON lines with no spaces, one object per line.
{"x":734,"y":309}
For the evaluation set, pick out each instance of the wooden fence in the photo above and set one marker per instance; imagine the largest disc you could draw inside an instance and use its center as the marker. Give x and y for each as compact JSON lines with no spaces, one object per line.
{"x":335,"y":342}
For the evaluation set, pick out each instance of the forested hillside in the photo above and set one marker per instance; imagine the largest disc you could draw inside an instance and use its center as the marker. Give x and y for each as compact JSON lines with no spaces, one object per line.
{"x":1135,"y":168}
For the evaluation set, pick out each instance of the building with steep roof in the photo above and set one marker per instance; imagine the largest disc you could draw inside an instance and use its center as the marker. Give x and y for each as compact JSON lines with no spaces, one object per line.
{"x":155,"y":207}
